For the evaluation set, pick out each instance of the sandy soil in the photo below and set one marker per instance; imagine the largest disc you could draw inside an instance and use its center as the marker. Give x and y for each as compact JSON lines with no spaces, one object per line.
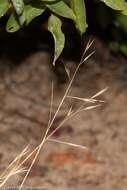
{"x":24,"y":107}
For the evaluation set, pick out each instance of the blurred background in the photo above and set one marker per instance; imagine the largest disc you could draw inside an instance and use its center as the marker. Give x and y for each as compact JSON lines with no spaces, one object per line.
{"x":26,"y":73}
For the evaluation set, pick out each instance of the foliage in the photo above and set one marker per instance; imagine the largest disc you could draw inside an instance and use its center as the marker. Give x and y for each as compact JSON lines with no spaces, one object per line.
{"x":22,"y":12}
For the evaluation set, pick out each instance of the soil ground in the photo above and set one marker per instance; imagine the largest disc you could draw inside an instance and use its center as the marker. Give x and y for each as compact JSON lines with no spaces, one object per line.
{"x":25,"y":91}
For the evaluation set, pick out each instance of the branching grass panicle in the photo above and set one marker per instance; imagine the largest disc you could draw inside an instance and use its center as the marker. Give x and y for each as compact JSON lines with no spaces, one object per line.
{"x":17,"y":166}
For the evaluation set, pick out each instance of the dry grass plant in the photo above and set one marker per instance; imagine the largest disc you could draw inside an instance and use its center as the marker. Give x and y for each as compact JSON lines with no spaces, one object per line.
{"x":17,"y":166}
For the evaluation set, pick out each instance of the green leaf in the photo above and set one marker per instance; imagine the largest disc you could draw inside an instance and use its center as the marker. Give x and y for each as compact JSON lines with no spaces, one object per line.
{"x":120,"y":5}
{"x":62,"y":9}
{"x":32,"y":11}
{"x":22,"y":18}
{"x":125,"y":10}
{"x":18,"y":6}
{"x":13,"y":23}
{"x":4,"y":6}
{"x":49,"y":0}
{"x":115,"y":4}
{"x":79,"y":9}
{"x":54,"y":26}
